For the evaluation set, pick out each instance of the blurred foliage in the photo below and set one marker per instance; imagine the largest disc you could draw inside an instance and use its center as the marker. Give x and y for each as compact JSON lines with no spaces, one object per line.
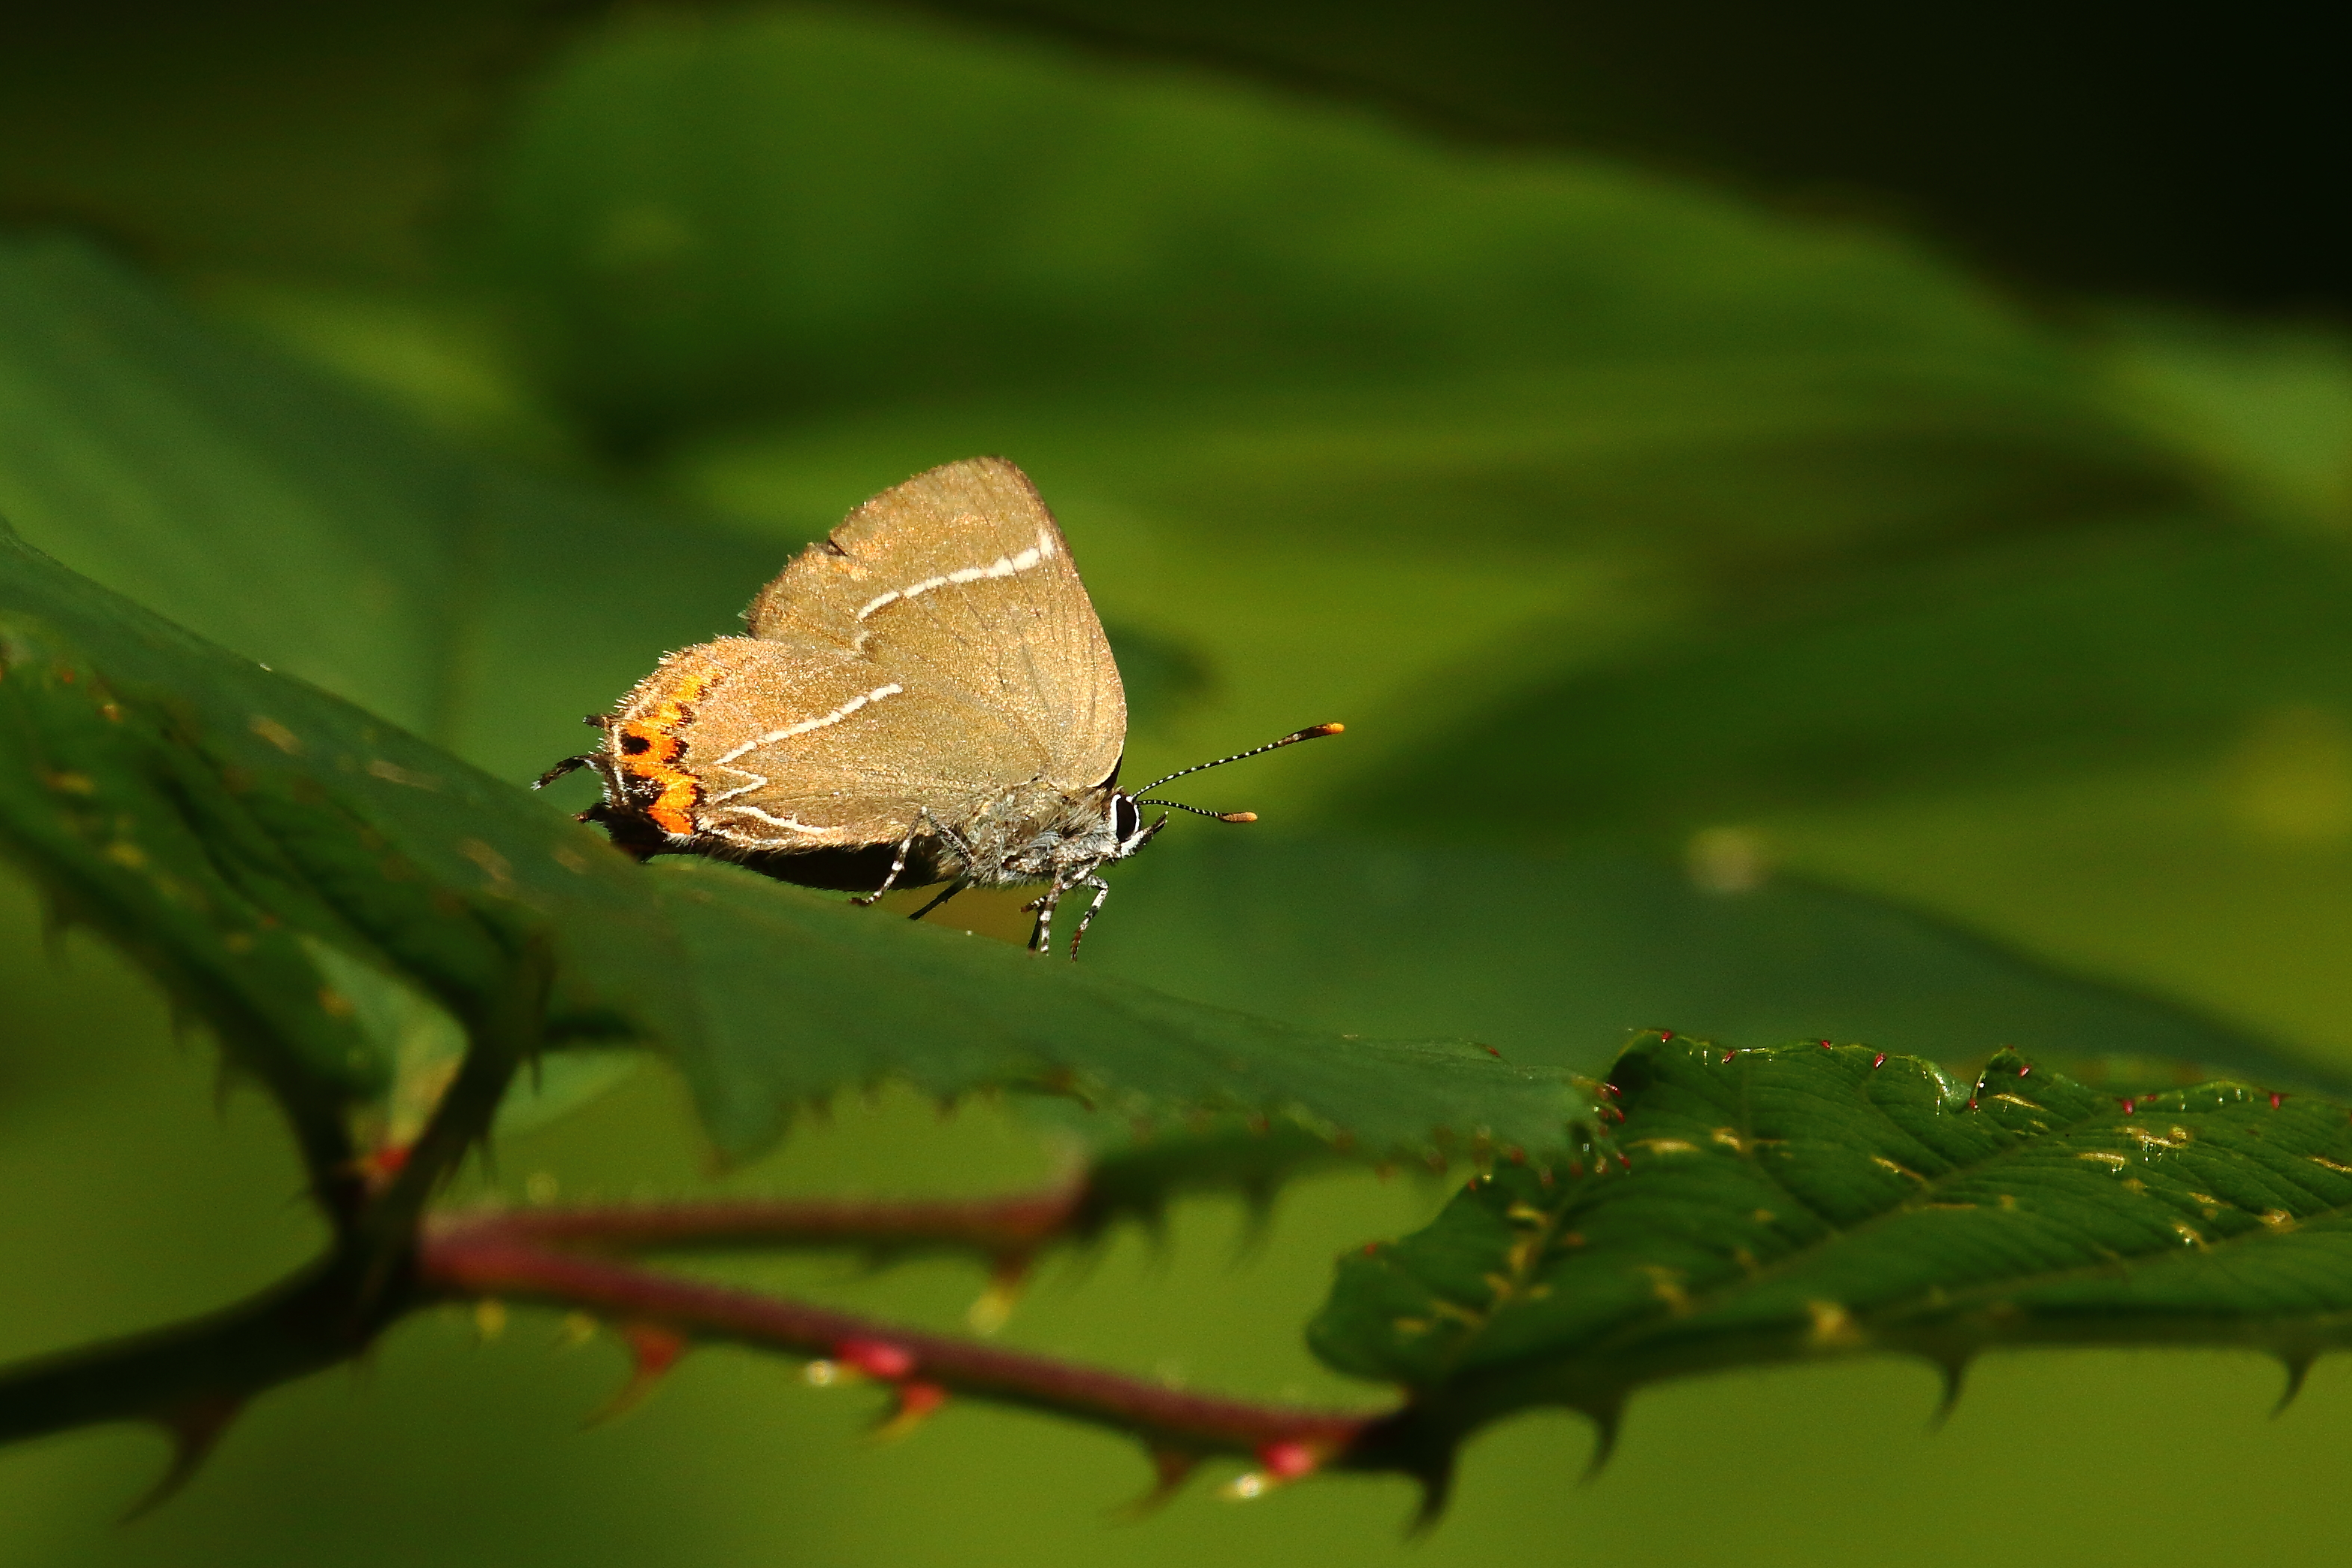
{"x":1689,"y":569}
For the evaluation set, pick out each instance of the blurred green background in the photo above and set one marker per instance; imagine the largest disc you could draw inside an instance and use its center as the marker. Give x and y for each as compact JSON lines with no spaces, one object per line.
{"x":1815,"y":525}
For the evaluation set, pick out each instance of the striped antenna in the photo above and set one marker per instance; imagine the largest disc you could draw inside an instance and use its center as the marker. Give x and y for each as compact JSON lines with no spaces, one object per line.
{"x":1312,"y":733}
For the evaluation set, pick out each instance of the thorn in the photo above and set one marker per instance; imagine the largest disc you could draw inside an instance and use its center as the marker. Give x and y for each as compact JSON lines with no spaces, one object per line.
{"x":1607,"y":1415}
{"x":194,"y":1428}
{"x":2297,"y":1364}
{"x":1954,"y":1370}
{"x":916,"y":1403}
{"x":1826,"y":1045}
{"x":2274,"y":1100}
{"x":653,"y":1351}
{"x":1436,"y":1482}
{"x":1170,"y":1468}
{"x":1879,"y":1060}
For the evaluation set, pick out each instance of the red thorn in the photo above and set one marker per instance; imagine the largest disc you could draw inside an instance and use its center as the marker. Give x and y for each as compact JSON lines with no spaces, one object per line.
{"x":1613,"y":1091}
{"x":916,"y":1403}
{"x":2129,"y":1103}
{"x":1516,"y":1155}
{"x":1289,"y":1460}
{"x":1879,"y":1060}
{"x":1170,"y":1468}
{"x":2274,"y":1100}
{"x":1371,"y":1249}
{"x":1664,"y":1035}
{"x":916,"y":1400}
{"x":1492,"y":1052}
{"x":1728,"y":1054}
{"x":194,"y":1427}
{"x":653,"y":1351}
{"x":1624,"y":1163}
{"x":876,"y":1358}
{"x":378,"y":1166}
{"x":1972,"y":1103}
{"x":1826,"y":1045}
{"x":2024,"y":1067}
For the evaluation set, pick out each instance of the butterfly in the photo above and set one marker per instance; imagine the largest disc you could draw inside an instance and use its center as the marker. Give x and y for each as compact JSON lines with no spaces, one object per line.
{"x":925,"y":696}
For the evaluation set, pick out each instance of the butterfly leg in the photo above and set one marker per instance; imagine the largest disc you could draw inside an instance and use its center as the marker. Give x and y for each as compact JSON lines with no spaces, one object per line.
{"x":1042,"y":939}
{"x":1102,"y":891}
{"x":897,"y":867}
{"x":569,"y":764}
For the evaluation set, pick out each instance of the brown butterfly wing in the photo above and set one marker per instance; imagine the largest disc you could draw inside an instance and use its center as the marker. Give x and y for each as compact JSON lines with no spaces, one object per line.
{"x":957,"y":590}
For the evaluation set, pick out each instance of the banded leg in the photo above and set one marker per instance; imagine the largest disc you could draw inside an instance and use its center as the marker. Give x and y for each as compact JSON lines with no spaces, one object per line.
{"x":1042,"y":939}
{"x":897,"y":867}
{"x":1102,"y":891}
{"x":568,"y":765}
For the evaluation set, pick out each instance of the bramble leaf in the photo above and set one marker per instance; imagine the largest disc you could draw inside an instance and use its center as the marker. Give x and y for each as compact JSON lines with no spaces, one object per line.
{"x":210,"y":815}
{"x":1803,"y":1202}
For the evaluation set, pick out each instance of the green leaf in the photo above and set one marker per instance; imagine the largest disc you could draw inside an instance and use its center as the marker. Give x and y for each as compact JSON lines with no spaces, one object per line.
{"x":1555,"y":955}
{"x":860,"y":998}
{"x":1807,"y":1202}
{"x":285,"y":516}
{"x":211,"y":815}
{"x":226,"y":824}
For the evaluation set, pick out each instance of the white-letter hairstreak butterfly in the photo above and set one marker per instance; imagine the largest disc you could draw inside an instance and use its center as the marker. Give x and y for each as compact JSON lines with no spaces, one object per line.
{"x":925,"y":697}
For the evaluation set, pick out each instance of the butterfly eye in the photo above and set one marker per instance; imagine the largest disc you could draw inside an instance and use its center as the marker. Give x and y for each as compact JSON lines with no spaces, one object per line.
{"x":636,"y":745}
{"x":1126,"y":817}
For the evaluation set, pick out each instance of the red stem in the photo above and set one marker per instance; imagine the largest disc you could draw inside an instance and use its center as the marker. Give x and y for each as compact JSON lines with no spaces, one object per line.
{"x":1000,"y":1226}
{"x":472,"y":1258}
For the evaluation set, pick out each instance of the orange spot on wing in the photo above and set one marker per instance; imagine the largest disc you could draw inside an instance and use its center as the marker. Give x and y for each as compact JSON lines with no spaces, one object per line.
{"x":673,"y":808}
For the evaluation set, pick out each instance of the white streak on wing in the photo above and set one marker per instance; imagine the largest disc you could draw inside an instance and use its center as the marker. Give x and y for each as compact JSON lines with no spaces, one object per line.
{"x":792,"y":824}
{"x":758,"y":781}
{"x":804,"y":726}
{"x":1002,"y":566}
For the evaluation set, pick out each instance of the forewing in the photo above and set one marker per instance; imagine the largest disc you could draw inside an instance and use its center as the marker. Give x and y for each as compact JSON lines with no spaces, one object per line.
{"x":958,"y":587}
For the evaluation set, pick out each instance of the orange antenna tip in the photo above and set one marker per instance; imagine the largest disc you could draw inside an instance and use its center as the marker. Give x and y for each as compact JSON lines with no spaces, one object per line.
{"x":1238,"y":817}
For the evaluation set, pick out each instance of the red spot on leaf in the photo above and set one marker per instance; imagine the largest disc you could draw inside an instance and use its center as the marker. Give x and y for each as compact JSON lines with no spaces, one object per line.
{"x":1826,"y":1045}
{"x":2274,"y":1100}
{"x":2024,"y":1067}
{"x":2129,"y":1104}
{"x":1664,"y":1035}
{"x":1492,"y":1052}
{"x":1879,"y":1060}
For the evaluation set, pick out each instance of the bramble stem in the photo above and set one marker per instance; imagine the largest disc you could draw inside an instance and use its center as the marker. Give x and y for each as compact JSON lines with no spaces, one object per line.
{"x":1004,"y":1227}
{"x":471,"y":1261}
